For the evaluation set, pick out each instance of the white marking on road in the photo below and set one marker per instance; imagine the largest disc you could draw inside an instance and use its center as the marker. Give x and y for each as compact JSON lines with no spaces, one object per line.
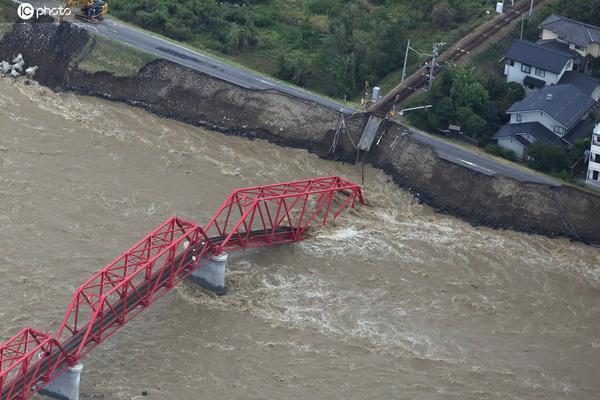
{"x":476,"y":165}
{"x":85,"y":26}
{"x":265,"y":82}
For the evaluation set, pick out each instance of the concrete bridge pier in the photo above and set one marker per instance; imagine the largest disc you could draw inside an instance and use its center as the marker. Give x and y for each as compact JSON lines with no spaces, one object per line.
{"x":66,"y":385}
{"x":212,"y":275}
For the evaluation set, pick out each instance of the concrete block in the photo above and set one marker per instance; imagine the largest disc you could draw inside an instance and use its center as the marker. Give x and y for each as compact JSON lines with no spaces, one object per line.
{"x":66,"y":385}
{"x":212,"y":275}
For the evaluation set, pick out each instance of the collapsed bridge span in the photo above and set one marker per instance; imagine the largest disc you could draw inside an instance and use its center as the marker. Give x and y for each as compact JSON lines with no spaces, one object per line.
{"x":251,"y":217}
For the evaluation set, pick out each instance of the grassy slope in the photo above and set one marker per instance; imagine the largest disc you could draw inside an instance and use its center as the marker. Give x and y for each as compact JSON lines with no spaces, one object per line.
{"x":103,"y":54}
{"x":423,"y":41}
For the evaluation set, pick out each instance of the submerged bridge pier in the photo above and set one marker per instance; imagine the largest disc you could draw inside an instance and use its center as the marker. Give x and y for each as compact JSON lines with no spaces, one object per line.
{"x":65,"y":386}
{"x":33,"y":361}
{"x":210,"y":277}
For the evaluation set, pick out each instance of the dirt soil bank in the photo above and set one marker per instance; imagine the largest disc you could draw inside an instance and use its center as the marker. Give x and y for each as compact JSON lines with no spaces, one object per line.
{"x":174,"y":91}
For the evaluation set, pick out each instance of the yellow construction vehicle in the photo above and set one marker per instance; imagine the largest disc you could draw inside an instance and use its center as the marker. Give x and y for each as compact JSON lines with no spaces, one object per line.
{"x":91,"y":10}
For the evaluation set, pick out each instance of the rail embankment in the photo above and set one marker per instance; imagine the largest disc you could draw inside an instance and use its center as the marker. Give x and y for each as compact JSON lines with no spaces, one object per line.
{"x":69,"y":59}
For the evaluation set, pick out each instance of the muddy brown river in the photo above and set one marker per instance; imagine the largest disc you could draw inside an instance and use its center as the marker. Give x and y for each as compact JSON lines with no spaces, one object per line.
{"x":394,"y":301}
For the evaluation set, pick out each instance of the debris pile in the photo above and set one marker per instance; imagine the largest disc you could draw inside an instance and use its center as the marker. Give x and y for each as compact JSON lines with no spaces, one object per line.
{"x":16,"y":66}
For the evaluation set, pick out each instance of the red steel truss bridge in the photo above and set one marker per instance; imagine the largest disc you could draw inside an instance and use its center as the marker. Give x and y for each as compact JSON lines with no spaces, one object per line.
{"x":251,"y":217}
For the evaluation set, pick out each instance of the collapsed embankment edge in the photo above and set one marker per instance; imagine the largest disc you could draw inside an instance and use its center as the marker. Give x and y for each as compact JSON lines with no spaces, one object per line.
{"x":174,"y":91}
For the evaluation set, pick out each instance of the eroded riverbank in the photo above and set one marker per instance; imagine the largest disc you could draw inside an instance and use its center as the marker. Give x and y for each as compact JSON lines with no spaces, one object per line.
{"x":174,"y":91}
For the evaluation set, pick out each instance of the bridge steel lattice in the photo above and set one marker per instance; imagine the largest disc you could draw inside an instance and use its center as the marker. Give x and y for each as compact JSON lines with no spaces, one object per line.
{"x":251,"y":217}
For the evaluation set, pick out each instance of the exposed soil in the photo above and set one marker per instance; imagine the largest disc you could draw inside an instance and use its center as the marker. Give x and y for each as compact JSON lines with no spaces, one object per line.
{"x":177,"y":92}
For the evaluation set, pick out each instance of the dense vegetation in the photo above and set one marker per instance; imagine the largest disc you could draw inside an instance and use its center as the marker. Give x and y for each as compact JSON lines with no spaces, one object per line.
{"x":7,"y":16}
{"x":579,"y":10}
{"x":459,"y":97}
{"x":332,"y":46}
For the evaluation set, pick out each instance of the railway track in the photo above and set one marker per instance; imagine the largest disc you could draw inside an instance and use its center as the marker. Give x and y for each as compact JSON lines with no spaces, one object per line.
{"x":70,"y":346}
{"x":252,"y":217}
{"x":420,"y":78}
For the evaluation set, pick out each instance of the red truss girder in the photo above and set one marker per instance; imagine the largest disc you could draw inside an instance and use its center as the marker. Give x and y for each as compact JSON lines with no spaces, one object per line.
{"x":251,"y":217}
{"x":21,"y":372}
{"x":280,"y":213}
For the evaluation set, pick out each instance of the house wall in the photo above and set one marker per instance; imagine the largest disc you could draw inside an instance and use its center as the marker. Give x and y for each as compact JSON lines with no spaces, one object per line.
{"x":594,"y":49}
{"x":535,"y":116}
{"x":596,"y":93}
{"x":593,"y":165}
{"x":511,"y":144}
{"x":514,"y":74}
{"x":549,"y":35}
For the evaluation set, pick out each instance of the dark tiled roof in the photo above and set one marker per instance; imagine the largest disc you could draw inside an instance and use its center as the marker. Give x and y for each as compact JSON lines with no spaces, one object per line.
{"x":530,"y":80}
{"x":538,"y":56}
{"x":535,"y":129}
{"x":587,"y":84}
{"x":562,"y":47}
{"x":574,"y":31}
{"x":521,"y":139}
{"x":565,"y":103}
{"x":579,"y":131}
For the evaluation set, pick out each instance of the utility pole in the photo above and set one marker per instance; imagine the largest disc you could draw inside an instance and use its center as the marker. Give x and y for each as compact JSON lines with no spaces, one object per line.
{"x":434,"y":54}
{"x":522,"y":23}
{"x":405,"y":60}
{"x":531,"y":9}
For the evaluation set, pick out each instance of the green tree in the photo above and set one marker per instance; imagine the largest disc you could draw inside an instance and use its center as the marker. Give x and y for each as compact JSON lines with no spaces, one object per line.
{"x":445,"y":110}
{"x":293,"y":67}
{"x":548,"y":158}
{"x":466,"y":91}
{"x":472,"y":124}
{"x":580,"y":10}
{"x":442,"y":16}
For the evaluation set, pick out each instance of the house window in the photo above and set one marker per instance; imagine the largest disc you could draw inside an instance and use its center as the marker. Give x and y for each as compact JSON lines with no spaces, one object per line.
{"x":595,"y":175}
{"x":540,"y":72}
{"x":559,"y":129}
{"x":526,"y":136}
{"x":597,"y":139}
{"x":596,"y":158}
{"x":511,"y":63}
{"x":580,"y":48}
{"x":525,"y":68}
{"x":519,"y":118}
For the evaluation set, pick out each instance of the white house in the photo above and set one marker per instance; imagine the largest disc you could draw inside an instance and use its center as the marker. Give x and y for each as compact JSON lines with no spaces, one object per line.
{"x":593,"y":175}
{"x":534,"y":66}
{"x":556,"y":114}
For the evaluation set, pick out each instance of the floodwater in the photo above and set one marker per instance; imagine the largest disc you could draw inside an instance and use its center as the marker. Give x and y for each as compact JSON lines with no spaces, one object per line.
{"x":394,"y":301}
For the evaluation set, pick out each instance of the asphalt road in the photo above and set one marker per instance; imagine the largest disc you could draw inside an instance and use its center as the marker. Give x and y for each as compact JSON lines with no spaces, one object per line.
{"x":165,"y":49}
{"x":200,"y":62}
{"x":477,"y":162}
